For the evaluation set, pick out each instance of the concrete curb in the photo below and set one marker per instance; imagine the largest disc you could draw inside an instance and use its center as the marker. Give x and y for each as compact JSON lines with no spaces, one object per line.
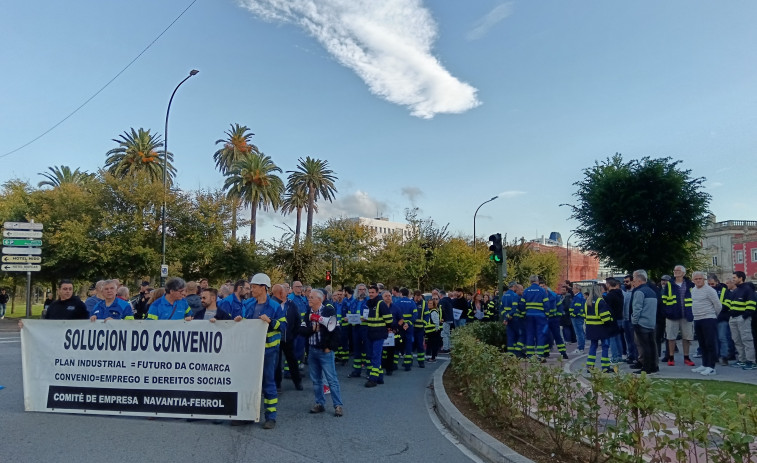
{"x":468,"y":433}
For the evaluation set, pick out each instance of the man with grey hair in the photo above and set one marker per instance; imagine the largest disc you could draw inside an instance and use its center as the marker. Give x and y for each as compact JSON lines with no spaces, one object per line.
{"x":95,"y":297}
{"x":643,"y":319}
{"x":172,"y":306}
{"x":705,"y":307}
{"x":677,"y":301}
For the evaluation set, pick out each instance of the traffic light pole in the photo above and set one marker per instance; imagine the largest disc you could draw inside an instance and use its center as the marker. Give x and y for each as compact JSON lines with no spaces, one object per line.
{"x":501,"y":274}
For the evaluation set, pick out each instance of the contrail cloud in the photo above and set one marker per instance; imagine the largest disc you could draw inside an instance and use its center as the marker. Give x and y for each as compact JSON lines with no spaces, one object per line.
{"x":387,"y":43}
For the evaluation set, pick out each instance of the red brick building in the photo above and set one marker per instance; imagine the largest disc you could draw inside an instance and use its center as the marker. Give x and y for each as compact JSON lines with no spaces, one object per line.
{"x":575,"y":265}
{"x":744,"y":250}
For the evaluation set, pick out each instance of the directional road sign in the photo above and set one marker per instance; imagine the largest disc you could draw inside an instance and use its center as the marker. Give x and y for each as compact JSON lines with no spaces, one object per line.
{"x":8,"y":242}
{"x":22,"y":226}
{"x":22,"y":259}
{"x":22,"y":234}
{"x":23,"y":251}
{"x":20,"y":268}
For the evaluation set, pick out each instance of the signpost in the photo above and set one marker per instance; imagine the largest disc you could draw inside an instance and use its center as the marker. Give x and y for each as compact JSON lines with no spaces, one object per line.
{"x":21,"y":251}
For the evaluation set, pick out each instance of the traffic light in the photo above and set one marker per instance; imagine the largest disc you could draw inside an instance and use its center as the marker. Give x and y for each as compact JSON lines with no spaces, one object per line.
{"x":328,"y":277}
{"x":495,"y":246}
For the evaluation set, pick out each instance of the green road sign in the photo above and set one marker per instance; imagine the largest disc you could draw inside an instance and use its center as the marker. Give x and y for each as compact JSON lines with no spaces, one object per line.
{"x":7,"y":242}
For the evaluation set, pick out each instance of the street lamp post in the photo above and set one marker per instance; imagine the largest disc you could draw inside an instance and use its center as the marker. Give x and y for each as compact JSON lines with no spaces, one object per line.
{"x":567,"y":256}
{"x":474,"y":231}
{"x":163,"y":271}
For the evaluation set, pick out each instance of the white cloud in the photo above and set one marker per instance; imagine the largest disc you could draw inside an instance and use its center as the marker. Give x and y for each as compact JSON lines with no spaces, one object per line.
{"x":387,"y":43}
{"x":713,"y":184}
{"x":357,"y":204}
{"x":511,"y":194}
{"x":489,"y":20}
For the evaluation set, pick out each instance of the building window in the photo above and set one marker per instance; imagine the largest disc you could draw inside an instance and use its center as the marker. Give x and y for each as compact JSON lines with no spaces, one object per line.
{"x":754,"y":255}
{"x":739,"y":257}
{"x":714,"y":261}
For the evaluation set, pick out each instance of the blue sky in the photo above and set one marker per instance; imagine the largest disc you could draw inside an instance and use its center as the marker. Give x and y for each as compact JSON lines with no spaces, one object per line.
{"x":436,"y":104}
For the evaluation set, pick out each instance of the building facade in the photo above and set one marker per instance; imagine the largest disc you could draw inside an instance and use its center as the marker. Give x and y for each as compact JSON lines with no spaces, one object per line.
{"x":383,"y":227}
{"x":725,"y":247}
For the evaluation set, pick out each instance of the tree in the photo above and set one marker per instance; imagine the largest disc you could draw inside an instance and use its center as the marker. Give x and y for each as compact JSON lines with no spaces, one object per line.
{"x":314,"y":176}
{"x":295,"y":200}
{"x":645,"y":213}
{"x":233,"y":149}
{"x":138,"y":152}
{"x":253,"y":180}
{"x":62,"y":175}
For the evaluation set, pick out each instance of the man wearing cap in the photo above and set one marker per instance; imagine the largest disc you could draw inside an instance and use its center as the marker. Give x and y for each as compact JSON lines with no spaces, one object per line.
{"x":262,"y":307}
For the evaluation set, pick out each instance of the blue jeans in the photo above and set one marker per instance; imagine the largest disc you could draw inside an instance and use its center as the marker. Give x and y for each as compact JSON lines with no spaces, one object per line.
{"x":633,"y":353}
{"x":616,"y":345}
{"x":726,"y":347}
{"x":578,"y":328}
{"x":2,"y":310}
{"x":460,"y":322}
{"x":321,"y":364}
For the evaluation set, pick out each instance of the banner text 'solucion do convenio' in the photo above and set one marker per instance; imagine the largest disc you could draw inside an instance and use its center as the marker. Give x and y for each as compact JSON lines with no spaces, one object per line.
{"x":152,"y":368}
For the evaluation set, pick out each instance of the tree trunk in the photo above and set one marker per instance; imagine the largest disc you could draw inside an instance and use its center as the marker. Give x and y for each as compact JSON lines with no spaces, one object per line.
{"x":253,"y":216}
{"x":234,"y":208}
{"x":311,"y":208}
{"x":298,"y":227}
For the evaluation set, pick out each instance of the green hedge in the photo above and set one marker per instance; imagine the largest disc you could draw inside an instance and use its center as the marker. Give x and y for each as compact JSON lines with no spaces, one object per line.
{"x":613,"y":418}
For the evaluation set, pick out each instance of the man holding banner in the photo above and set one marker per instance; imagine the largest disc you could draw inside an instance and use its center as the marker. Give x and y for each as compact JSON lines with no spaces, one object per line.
{"x":264,"y":308}
{"x":172,"y":306}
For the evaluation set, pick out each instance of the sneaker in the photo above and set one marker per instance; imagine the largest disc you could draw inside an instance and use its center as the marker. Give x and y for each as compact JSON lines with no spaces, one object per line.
{"x":708,"y":372}
{"x":431,"y":361}
{"x":671,"y":363}
{"x":697,"y":356}
{"x":577,"y":352}
{"x":326,"y":389}
{"x":698,"y":369}
{"x":688,"y":362}
{"x":338,"y":411}
{"x":317,"y":408}
{"x":370,"y":383}
{"x":749,"y":366}
{"x":354,"y":374}
{"x":738,"y":364}
{"x":269,"y":424}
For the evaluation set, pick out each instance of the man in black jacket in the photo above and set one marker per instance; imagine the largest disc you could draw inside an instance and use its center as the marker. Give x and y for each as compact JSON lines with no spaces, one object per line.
{"x":67,"y":306}
{"x":448,"y":319}
{"x":614,"y":299}
{"x":292,"y":314}
{"x":323,"y":338}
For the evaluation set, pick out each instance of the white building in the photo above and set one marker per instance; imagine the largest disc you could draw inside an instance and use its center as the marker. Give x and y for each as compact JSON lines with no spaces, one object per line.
{"x":383,"y":227}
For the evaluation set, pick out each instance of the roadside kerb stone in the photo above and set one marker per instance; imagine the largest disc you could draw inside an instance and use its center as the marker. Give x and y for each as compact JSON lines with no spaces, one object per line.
{"x":468,"y":433}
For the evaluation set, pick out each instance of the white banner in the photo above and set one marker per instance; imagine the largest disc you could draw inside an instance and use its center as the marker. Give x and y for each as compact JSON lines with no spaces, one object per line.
{"x":165,"y":368}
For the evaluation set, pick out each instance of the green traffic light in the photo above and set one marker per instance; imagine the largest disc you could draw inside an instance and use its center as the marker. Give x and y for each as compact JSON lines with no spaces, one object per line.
{"x":496,"y":259}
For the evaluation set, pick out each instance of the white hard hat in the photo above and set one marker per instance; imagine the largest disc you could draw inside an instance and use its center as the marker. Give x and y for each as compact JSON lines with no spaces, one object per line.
{"x":260,"y":279}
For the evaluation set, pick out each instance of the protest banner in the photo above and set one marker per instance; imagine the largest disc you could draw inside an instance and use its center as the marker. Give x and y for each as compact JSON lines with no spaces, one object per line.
{"x":166,"y":368}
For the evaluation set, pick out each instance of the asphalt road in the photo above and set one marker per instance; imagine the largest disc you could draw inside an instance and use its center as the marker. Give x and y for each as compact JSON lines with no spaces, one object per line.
{"x":392,"y":421}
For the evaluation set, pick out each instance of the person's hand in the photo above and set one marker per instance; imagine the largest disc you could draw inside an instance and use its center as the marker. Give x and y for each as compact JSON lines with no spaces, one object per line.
{"x":238,"y":318}
{"x":406,"y":326}
{"x":212,"y":320}
{"x":93,"y":318}
{"x":109,"y":318}
{"x":265,"y":318}
{"x":326,"y":350}
{"x":188,"y":318}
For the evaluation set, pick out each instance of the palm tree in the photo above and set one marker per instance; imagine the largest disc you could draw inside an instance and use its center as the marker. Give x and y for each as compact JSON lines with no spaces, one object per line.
{"x":64,"y":174}
{"x":234,"y":147}
{"x":314,"y":176}
{"x":252,"y":179}
{"x":138,"y":152}
{"x":296,"y":199}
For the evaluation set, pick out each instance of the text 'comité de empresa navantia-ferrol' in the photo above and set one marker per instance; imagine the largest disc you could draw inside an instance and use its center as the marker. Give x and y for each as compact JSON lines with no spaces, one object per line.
{"x":142,"y":340}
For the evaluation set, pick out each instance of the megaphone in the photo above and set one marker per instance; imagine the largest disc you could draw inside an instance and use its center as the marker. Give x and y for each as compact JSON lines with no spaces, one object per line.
{"x":328,"y":322}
